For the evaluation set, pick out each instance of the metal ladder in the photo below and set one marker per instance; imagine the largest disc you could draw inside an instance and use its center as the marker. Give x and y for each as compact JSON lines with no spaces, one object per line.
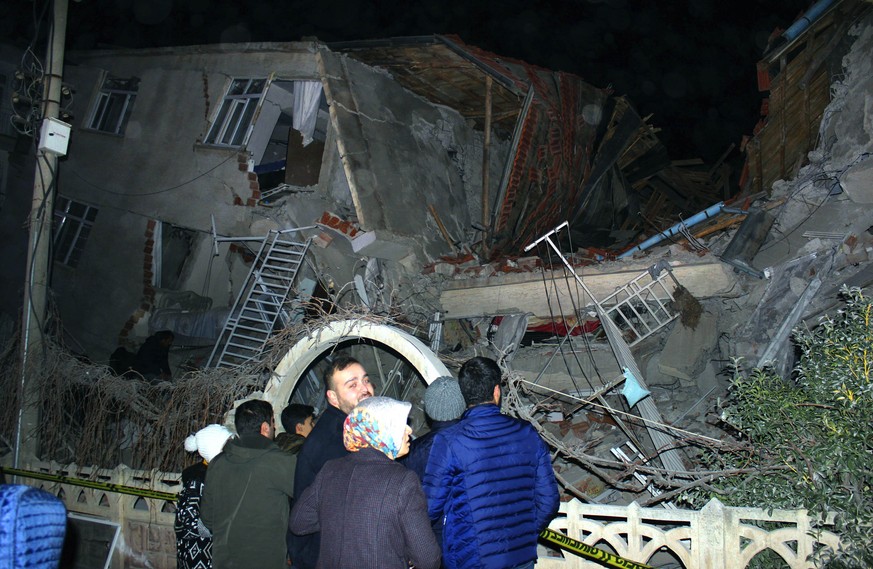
{"x":645,"y":304}
{"x":648,"y":298}
{"x":260,"y":304}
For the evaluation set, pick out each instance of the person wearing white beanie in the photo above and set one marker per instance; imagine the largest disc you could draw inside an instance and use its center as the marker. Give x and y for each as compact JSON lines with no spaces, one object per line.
{"x":193,"y":539}
{"x":370,"y":510}
{"x":208,"y":441}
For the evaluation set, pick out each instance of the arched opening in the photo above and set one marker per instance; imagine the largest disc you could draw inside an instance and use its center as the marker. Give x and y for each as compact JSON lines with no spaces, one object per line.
{"x":399,"y":365}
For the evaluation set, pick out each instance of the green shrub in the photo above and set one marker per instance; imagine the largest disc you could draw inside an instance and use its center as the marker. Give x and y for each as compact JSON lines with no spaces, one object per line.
{"x":809,"y":438}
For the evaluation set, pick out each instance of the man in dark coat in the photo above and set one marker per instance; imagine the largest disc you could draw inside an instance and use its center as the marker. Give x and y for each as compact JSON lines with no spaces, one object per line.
{"x":153,"y":357}
{"x":245,"y":499}
{"x":370,"y":510}
{"x":489,"y":479}
{"x":347,"y":384}
{"x":298,"y":421}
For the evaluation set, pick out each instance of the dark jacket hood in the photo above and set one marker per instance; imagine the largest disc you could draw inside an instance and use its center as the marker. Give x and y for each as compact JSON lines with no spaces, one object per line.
{"x":247,"y":448}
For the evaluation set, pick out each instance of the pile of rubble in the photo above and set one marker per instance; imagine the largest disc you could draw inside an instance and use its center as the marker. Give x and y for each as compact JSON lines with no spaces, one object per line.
{"x":771,"y":263}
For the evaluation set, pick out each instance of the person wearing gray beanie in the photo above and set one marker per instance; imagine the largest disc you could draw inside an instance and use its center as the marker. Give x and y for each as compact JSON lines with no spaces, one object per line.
{"x":443,"y":400}
{"x":444,"y":405}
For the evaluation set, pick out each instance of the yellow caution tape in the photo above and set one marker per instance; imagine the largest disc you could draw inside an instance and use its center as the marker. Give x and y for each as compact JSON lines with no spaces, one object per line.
{"x":597,"y":555}
{"x":559,"y":539}
{"x":119,"y":488}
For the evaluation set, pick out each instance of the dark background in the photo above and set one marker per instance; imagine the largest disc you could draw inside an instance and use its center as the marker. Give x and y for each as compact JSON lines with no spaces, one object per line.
{"x":689,"y":64}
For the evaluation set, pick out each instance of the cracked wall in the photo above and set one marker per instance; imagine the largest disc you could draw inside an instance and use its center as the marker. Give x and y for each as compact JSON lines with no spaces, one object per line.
{"x":402,"y":153}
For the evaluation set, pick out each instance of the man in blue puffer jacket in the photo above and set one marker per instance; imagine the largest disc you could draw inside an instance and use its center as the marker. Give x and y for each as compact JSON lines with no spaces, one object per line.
{"x":489,"y":479}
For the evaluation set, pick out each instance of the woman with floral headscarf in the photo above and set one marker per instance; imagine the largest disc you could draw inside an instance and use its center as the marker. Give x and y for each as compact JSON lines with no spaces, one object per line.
{"x":370,"y":510}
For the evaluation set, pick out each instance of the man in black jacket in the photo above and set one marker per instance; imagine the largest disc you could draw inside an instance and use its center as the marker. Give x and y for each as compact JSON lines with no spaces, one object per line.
{"x":347,"y":384}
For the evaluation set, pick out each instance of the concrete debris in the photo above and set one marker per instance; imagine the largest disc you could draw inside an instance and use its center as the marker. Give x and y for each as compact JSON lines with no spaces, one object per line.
{"x":857,"y":181}
{"x":820,"y":239}
{"x":687,"y":349}
{"x":390,"y":149}
{"x":380,"y":245}
{"x":656,"y":378}
{"x":707,"y":380}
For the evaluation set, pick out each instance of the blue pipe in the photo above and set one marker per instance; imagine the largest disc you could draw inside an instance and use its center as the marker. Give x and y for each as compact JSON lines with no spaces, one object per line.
{"x":808,"y":18}
{"x":691,"y":221}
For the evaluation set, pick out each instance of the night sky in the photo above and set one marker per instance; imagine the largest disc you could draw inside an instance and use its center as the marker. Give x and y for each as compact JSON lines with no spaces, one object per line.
{"x":690,"y":64}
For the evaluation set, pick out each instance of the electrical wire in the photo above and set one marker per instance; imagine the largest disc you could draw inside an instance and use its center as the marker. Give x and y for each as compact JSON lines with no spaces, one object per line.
{"x":554,"y":324}
{"x":154,"y":193}
{"x":812,"y":179}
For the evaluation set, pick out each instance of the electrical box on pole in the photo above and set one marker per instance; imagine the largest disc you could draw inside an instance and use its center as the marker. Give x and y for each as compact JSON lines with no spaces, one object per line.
{"x":54,"y":136}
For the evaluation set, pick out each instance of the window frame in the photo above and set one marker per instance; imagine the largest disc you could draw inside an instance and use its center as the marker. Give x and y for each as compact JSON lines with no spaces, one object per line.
{"x":68,"y":249}
{"x":237,"y":113}
{"x":113,"y":90}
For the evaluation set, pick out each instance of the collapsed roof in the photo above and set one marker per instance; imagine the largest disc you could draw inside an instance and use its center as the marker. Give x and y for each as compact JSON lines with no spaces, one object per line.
{"x":578,"y":153}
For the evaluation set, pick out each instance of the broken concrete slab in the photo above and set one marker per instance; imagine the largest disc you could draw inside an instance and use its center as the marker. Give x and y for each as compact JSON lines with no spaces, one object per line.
{"x":512,"y":293}
{"x":654,"y":377}
{"x":574,"y":368}
{"x":687,"y":350}
{"x":857,"y":182}
{"x":707,"y":380}
{"x":386,"y":137}
{"x":380,"y":244}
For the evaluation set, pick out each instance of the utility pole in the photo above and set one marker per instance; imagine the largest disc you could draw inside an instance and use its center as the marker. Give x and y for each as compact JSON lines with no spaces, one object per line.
{"x":37,"y":269}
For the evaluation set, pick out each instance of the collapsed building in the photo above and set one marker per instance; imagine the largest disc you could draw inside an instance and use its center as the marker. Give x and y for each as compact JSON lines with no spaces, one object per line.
{"x":504,"y":208}
{"x":388,"y":166}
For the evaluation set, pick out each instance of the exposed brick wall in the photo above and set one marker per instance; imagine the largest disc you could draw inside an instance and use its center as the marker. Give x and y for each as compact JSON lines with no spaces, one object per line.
{"x":254,"y":186}
{"x":148,"y":289}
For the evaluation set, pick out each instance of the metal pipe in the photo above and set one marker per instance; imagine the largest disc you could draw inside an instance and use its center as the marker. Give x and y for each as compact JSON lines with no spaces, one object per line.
{"x":690,"y":222}
{"x":808,"y":18}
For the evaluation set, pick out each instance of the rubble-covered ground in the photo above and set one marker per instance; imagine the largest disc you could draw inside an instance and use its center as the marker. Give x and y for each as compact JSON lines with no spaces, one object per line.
{"x":820,"y":240}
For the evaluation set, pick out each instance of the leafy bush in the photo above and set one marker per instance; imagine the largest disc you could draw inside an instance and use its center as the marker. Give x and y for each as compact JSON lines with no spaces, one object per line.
{"x":809,"y":438}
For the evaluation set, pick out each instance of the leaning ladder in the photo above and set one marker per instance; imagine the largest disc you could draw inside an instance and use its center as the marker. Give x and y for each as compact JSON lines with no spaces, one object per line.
{"x":260,"y":304}
{"x":653,"y":305}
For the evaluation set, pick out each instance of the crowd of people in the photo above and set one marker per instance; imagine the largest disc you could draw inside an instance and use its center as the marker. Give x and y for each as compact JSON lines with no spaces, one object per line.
{"x":352,"y":490}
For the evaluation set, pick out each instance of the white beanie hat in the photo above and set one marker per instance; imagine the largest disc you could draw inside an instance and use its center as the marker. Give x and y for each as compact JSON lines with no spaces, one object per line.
{"x":208,"y":441}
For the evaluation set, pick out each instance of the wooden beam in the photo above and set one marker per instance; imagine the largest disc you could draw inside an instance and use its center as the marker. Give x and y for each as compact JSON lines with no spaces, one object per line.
{"x":486,"y":170}
{"x":512,"y":293}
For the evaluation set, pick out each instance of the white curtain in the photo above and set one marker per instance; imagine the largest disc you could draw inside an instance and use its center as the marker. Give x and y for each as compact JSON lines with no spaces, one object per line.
{"x":307,"y":95}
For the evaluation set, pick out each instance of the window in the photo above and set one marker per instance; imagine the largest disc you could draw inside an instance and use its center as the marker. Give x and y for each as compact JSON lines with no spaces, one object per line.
{"x":114,"y":104}
{"x":72,"y":226}
{"x":235,"y":115}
